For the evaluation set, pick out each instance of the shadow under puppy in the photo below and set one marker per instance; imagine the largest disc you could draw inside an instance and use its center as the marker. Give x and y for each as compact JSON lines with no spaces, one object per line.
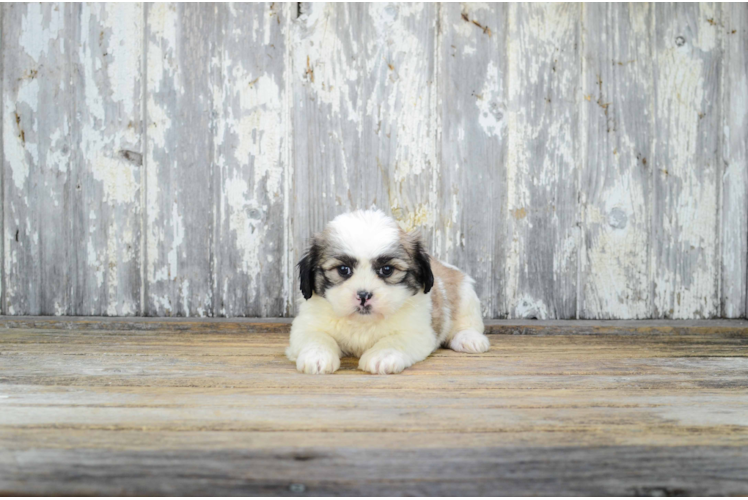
{"x":373,"y":292}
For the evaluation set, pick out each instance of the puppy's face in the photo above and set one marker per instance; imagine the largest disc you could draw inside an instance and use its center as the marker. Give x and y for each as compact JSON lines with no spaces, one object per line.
{"x":365,"y":266}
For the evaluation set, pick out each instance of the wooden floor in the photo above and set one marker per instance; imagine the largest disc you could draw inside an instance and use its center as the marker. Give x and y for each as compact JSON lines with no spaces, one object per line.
{"x":117,"y":407}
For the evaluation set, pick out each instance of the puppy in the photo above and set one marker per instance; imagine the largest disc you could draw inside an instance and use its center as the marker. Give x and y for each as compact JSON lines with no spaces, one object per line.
{"x":373,"y":292}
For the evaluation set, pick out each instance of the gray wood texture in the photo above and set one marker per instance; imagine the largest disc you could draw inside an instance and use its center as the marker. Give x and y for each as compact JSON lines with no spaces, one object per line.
{"x":542,"y":164}
{"x":251,"y":140}
{"x":579,"y":161}
{"x":617,"y":162}
{"x":156,"y":406}
{"x":734,"y":105}
{"x":685,"y":242}
{"x":39,"y":262}
{"x":72,"y":119}
{"x":180,"y":204}
{"x":472,"y":188}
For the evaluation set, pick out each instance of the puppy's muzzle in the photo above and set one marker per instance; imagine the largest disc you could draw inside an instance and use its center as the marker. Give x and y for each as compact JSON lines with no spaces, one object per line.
{"x":364,"y":297}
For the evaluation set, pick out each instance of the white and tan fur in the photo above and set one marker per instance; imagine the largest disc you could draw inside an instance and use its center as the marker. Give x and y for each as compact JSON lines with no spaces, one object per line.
{"x":421,"y":305}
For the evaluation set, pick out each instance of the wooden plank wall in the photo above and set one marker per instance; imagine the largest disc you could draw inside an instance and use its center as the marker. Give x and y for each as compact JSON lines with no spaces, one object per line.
{"x":579,"y":161}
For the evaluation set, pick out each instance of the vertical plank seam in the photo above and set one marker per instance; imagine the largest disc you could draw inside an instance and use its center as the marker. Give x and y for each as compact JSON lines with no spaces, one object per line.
{"x":3,"y":208}
{"x":215,"y":52}
{"x":742,"y":32}
{"x":582,"y":156}
{"x":655,"y":160}
{"x":144,"y":171}
{"x":72,"y":35}
{"x":506,"y":302}
{"x":649,"y":207}
{"x":499,"y":268}
{"x":436,"y":121}
{"x":288,"y":178}
{"x":719,"y":169}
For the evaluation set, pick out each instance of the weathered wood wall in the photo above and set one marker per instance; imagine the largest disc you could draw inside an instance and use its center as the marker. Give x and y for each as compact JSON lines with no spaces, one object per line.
{"x":580,"y":161}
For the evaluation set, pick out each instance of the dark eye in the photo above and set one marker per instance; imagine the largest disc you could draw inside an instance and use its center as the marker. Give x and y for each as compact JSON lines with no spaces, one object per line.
{"x":344,"y":271}
{"x":386,"y":271}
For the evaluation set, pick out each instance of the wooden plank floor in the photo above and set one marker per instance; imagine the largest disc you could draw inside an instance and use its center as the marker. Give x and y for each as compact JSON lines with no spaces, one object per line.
{"x":111,"y":407}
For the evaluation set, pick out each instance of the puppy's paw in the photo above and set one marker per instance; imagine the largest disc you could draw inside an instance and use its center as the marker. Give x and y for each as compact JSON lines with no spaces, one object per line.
{"x":469,"y":341}
{"x":384,"y":361}
{"x":316,"y":360}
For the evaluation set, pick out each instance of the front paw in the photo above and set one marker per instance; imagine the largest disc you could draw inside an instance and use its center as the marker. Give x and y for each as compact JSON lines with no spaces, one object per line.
{"x":316,"y":360}
{"x":384,"y":361}
{"x":470,"y":341}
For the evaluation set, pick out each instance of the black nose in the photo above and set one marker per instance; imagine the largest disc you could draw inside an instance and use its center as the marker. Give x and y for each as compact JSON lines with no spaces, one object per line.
{"x":363,"y":296}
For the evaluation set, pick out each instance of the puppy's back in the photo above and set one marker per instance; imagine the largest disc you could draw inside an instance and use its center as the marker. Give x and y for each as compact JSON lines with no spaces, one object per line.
{"x":445,"y":296}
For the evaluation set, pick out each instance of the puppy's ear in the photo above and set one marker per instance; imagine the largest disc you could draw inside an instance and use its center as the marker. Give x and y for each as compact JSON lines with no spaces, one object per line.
{"x":423,"y":265}
{"x":307,"y":269}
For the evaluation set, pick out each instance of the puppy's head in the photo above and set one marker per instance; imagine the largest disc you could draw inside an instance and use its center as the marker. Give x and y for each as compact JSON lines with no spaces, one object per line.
{"x":365,"y":266}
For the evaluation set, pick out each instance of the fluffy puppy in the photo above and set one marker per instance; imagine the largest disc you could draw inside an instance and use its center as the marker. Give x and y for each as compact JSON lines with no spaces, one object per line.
{"x":372,"y":291}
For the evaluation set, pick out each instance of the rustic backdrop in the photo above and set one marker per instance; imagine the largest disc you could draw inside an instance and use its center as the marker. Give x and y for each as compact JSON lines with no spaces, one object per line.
{"x":580,"y":161}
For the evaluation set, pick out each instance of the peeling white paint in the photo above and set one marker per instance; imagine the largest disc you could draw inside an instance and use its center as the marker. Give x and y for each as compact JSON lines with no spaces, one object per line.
{"x":94,"y":262}
{"x":110,"y":52}
{"x":734,"y":223}
{"x":387,"y":74}
{"x":617,"y":285}
{"x":489,"y":102}
{"x":39,"y":30}
{"x":327,"y":73}
{"x":535,"y":171}
{"x":688,"y":288}
{"x":529,"y":308}
{"x":161,"y":72}
{"x":707,"y":39}
{"x":406,"y":89}
{"x":117,"y":177}
{"x":245,"y":229}
{"x":15,"y":147}
{"x":259,"y":129}
{"x":615,"y":190}
{"x":58,"y":153}
{"x":124,"y":23}
{"x":177,"y":239}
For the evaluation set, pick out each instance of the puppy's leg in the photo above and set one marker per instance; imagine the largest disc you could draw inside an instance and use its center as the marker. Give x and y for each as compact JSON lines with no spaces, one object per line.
{"x":398,"y":351}
{"x":467,"y":330}
{"x":314,"y":352}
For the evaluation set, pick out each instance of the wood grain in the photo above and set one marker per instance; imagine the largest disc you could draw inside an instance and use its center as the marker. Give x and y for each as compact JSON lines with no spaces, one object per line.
{"x":180,"y":160}
{"x":72,"y":85}
{"x":251,"y":135}
{"x":685,"y":238}
{"x":734,"y":35}
{"x":107,"y":160}
{"x":37,"y":163}
{"x":735,"y":328}
{"x":540,"y":225}
{"x":471,"y":196}
{"x":160,"y":411}
{"x":616,"y":177}
{"x":671,"y":471}
{"x":580,"y":161}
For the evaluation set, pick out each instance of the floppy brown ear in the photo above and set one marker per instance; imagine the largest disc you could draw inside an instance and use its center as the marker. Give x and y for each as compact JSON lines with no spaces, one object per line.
{"x":422,"y":261}
{"x":307,"y":269}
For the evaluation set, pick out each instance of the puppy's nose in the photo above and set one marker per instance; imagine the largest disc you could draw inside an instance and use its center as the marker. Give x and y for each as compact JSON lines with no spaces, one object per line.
{"x":363,"y":296}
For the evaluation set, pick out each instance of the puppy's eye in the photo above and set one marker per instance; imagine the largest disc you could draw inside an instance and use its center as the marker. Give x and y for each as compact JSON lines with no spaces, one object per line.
{"x":344,"y":270}
{"x":386,"y":271}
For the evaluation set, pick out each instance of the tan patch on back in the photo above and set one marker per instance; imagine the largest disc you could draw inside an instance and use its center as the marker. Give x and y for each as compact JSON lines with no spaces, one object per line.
{"x":446,"y":292}
{"x":437,"y":306}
